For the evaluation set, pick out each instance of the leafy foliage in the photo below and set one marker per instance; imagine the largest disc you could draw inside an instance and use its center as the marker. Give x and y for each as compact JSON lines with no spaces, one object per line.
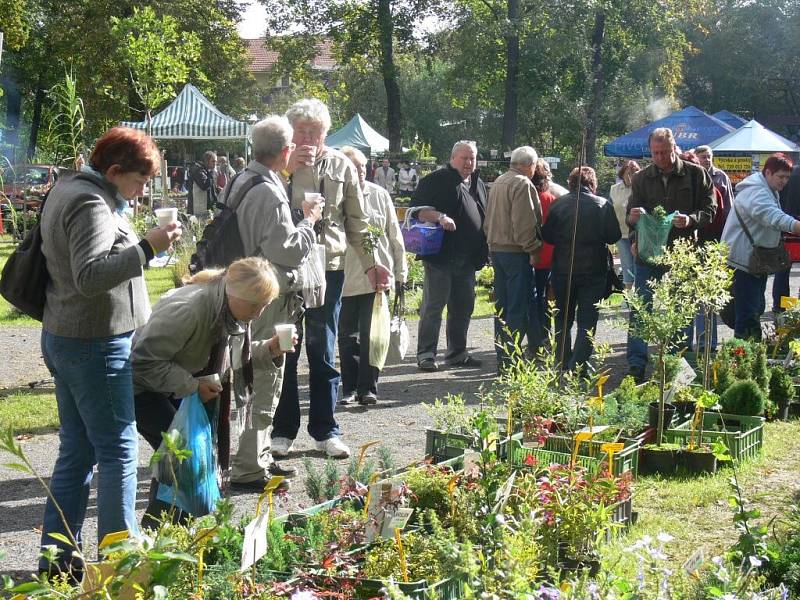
{"x":743,"y":398}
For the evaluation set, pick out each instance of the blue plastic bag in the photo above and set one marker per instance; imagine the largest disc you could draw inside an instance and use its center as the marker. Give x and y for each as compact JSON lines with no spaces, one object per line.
{"x":421,"y":238}
{"x":190,"y":484}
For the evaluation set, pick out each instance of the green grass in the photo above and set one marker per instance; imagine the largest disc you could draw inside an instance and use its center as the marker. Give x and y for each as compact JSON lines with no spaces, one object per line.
{"x":28,"y":411}
{"x":695,"y":510}
{"x":158,"y":282}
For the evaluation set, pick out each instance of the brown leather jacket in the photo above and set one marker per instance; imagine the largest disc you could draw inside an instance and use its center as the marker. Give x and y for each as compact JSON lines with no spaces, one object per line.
{"x":688,"y":190}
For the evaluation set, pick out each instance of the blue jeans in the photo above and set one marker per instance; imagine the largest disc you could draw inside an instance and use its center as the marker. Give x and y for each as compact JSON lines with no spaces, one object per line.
{"x":748,"y":290}
{"x":94,"y":393}
{"x":780,"y":287}
{"x":321,"y":329}
{"x":515,"y":303}
{"x":539,"y":325}
{"x":637,"y":347}
{"x":453,"y":285}
{"x":586,"y":291}
{"x":626,"y":260}
{"x":699,"y":326}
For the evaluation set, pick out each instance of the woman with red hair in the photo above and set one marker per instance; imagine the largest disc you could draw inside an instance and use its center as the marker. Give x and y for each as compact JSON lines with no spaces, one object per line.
{"x":756,"y":220}
{"x":96,"y":298}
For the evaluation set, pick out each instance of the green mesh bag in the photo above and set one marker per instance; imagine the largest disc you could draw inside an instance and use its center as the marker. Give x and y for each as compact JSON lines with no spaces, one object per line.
{"x":652,"y":233}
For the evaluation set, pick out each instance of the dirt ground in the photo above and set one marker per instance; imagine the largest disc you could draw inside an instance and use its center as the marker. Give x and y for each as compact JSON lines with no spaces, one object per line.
{"x":398,"y":420}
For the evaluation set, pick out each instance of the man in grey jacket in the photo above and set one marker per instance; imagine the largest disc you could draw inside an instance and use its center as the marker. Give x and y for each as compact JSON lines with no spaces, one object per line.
{"x":265,"y":225}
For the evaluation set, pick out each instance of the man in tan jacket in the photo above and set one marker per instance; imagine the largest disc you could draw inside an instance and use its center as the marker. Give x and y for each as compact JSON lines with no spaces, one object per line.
{"x":513,"y":224}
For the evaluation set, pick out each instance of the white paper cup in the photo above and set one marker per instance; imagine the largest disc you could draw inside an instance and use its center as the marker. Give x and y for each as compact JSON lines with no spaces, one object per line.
{"x":285,"y":334}
{"x":213,"y":378}
{"x":166,"y":216}
{"x":313,"y":197}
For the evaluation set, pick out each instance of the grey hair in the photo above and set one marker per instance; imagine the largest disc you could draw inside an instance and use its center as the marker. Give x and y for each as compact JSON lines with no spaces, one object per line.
{"x":270,"y":136}
{"x":464,"y":144}
{"x":524,"y":156}
{"x":661,"y":134}
{"x":704,"y":149}
{"x":354,"y":154}
{"x":310,"y":109}
{"x":209,"y":154}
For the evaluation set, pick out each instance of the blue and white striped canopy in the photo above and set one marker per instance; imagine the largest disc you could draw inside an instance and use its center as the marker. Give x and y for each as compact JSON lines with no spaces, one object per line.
{"x":191,"y":116}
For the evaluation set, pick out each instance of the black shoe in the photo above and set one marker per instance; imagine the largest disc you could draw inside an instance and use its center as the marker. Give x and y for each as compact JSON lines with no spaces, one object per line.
{"x":428,"y":364}
{"x":276,"y":468}
{"x":637,"y":373}
{"x":469,"y":362}
{"x":368,"y":399}
{"x":258,"y":486}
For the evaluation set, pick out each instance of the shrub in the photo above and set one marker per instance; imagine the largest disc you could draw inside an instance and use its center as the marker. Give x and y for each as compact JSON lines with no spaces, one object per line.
{"x":781,"y":386}
{"x":743,"y":398}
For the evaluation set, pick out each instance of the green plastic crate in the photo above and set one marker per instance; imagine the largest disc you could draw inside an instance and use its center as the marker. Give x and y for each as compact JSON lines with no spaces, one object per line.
{"x":744,"y":436}
{"x":441,"y":446}
{"x":446,"y":589}
{"x":558,"y":449}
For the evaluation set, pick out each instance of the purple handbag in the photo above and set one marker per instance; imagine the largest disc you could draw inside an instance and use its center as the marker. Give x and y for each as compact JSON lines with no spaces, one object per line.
{"x":420,"y":237}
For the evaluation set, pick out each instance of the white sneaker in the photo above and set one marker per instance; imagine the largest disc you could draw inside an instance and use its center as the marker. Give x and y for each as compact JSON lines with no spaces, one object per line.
{"x":334,"y":447}
{"x":281,"y":446}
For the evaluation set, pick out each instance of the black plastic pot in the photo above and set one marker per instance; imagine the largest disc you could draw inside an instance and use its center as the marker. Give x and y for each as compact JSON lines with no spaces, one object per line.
{"x":652,"y":414}
{"x":685,"y":408}
{"x":654,"y":461}
{"x":783,"y":411}
{"x":568,"y":565}
{"x":699,"y":462}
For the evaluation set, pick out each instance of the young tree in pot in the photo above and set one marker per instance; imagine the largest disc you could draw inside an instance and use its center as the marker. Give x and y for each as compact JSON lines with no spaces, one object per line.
{"x":699,"y":458}
{"x":781,"y":391}
{"x":672,"y":308}
{"x":711,"y":281}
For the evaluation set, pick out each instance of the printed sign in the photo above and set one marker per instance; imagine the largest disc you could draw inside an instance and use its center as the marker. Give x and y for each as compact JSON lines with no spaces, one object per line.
{"x":733,"y":163}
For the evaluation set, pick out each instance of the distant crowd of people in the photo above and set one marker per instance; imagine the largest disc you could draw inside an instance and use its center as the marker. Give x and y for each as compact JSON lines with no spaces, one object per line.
{"x":121,"y":370}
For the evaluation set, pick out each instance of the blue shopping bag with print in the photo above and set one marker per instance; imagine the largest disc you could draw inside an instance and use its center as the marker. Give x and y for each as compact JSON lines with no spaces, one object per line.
{"x":188,"y":478}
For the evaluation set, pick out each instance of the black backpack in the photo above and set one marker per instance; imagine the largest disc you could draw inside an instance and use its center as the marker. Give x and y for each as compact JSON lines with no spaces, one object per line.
{"x":24,"y":279}
{"x":221,"y":243}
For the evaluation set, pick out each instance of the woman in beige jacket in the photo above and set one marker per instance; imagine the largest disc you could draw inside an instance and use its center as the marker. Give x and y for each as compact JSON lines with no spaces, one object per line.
{"x":359,"y":378}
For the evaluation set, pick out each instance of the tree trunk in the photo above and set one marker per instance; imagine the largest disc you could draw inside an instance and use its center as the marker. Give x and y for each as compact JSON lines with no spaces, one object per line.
{"x":512,"y":75}
{"x":13,"y":111}
{"x":394,"y":116}
{"x":36,"y":121}
{"x":598,"y":88}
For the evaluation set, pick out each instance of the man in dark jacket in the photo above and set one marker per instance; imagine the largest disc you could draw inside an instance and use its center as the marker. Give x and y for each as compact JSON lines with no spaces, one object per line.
{"x":202,"y":185}
{"x":579,"y":283}
{"x":680,"y":187}
{"x":455,"y":197}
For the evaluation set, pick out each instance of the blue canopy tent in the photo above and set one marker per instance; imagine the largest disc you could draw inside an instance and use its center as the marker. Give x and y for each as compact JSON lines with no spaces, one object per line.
{"x":730,"y":118}
{"x":691,"y":126}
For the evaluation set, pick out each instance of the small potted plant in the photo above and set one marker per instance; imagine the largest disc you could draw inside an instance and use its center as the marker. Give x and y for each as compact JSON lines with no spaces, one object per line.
{"x":698,"y":457}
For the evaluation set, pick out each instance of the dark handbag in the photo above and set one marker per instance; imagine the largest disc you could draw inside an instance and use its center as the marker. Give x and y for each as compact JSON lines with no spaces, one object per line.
{"x":24,"y":279}
{"x":613,"y":282}
{"x":765,"y":261}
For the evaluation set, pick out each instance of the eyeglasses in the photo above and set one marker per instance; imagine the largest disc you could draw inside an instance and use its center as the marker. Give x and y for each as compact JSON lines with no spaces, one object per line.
{"x":291,"y":146}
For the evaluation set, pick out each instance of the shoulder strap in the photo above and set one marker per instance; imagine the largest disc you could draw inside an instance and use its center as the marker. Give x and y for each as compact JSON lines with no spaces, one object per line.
{"x":744,"y":227}
{"x":242,"y":191}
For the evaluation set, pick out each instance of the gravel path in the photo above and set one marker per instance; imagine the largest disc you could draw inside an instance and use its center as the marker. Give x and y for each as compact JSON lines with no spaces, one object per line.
{"x":398,"y":419}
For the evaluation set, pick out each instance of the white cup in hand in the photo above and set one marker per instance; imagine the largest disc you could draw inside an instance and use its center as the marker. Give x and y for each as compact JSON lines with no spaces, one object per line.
{"x":285,"y":332}
{"x":166,"y":216}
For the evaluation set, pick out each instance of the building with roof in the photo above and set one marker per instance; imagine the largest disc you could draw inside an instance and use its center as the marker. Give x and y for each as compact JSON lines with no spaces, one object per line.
{"x":263,"y":60}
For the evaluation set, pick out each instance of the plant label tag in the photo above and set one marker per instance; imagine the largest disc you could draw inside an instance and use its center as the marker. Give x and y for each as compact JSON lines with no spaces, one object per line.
{"x":398,"y":521}
{"x":254,"y":545}
{"x":504,"y":493}
{"x":113,"y":538}
{"x":471,"y":459}
{"x":384,"y":502}
{"x":685,"y":376}
{"x":694,"y":562}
